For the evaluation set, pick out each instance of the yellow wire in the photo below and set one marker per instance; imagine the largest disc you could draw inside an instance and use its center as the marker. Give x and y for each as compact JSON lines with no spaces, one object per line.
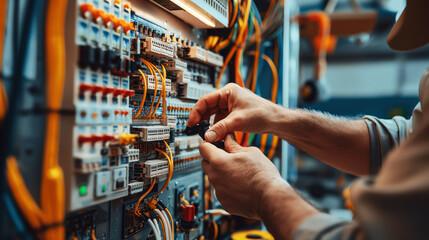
{"x":152,"y":71}
{"x":185,"y":201}
{"x":136,"y":209}
{"x":143,"y":97}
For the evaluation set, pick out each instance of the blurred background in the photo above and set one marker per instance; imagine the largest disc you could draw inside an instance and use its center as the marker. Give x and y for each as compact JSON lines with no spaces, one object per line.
{"x":363,"y":77}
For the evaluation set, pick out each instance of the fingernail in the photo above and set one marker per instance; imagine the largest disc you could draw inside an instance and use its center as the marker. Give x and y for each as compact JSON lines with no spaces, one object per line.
{"x":211,"y":136}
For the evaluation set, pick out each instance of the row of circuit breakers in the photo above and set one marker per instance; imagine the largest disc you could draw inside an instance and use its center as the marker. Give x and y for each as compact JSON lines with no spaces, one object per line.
{"x":122,"y":59}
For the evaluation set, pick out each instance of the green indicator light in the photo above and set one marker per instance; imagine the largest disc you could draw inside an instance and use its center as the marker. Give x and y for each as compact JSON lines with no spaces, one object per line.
{"x":103,"y":188}
{"x":82,"y":190}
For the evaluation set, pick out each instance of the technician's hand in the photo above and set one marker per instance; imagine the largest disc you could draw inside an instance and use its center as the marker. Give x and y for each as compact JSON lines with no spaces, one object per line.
{"x":240,"y":175}
{"x":236,"y":109}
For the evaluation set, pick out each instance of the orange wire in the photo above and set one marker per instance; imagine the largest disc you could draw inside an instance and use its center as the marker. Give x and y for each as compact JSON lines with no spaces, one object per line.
{"x":93,"y":234}
{"x":3,"y":94}
{"x":170,"y":171}
{"x":172,"y":223}
{"x":52,"y":184}
{"x":136,"y":209}
{"x":162,"y":95}
{"x":152,"y":71}
{"x":215,"y":229}
{"x":238,"y":41}
{"x":143,"y":97}
{"x":165,"y":89}
{"x":257,"y":53}
{"x":274,"y":89}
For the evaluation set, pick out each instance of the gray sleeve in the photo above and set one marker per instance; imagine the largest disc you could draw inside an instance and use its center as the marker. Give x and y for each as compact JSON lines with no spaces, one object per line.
{"x":385,"y":134}
{"x":325,"y":227}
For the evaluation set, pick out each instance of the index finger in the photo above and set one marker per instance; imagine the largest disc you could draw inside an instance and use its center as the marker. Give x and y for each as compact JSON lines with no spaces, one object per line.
{"x":208,"y":103}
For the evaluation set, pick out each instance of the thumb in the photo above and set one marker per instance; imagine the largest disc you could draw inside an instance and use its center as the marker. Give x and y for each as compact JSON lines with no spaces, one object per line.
{"x":210,"y":152}
{"x":231,"y":144}
{"x":220,"y":129}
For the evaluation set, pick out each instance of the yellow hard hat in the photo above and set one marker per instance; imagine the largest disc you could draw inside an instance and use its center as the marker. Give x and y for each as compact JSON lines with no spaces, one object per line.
{"x":411,"y":31}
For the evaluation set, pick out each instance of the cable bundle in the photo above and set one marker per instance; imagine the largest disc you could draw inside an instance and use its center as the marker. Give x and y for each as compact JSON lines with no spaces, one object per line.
{"x":158,"y":210}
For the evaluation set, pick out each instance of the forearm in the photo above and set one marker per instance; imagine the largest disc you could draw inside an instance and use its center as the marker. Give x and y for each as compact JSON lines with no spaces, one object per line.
{"x":282,"y":210}
{"x":342,"y":143}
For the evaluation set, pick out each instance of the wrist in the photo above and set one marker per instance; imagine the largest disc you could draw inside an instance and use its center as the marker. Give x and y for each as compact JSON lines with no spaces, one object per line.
{"x":280,"y":119}
{"x":270,"y":194}
{"x":280,"y":203}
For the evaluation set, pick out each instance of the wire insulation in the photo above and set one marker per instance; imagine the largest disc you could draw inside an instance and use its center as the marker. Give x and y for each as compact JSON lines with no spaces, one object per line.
{"x":143,"y":96}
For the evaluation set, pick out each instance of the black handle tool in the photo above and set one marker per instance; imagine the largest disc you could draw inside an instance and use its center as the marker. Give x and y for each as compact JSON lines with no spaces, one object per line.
{"x":201,"y":129}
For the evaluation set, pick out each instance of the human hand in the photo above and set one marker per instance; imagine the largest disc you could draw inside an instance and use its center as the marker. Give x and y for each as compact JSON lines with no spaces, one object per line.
{"x":236,"y":109}
{"x":240,"y":175}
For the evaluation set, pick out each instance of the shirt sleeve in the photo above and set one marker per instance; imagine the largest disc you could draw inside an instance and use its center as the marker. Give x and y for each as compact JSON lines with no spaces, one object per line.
{"x":325,"y":227}
{"x":391,"y":206}
{"x":385,"y":134}
{"x":394,"y":204}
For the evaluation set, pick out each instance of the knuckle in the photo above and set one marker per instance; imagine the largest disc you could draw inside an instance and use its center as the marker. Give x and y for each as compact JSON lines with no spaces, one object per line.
{"x":253,"y":149}
{"x":231,"y":85}
{"x":237,"y":120}
{"x":215,"y":164}
{"x":222,"y":127}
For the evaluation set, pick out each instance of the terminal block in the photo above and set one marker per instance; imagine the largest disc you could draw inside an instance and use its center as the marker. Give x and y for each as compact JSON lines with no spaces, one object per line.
{"x":195,"y":53}
{"x":152,"y":133}
{"x":150,"y":80}
{"x":135,"y":187}
{"x":133,"y":155}
{"x":176,"y":65}
{"x":151,"y":168}
{"x":194,"y":91}
{"x":169,"y":121}
{"x":214,"y":59}
{"x":150,"y":83}
{"x":157,"y":48}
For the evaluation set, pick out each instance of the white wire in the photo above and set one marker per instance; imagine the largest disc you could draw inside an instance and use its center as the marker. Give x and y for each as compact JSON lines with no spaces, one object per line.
{"x":170,"y":224}
{"x":157,"y":228}
{"x":167,"y":227}
{"x":162,"y":221}
{"x":154,"y":229}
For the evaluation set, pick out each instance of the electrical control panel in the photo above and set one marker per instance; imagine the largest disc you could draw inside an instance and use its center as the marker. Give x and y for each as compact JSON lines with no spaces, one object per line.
{"x":135,"y":73}
{"x":111,"y":155}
